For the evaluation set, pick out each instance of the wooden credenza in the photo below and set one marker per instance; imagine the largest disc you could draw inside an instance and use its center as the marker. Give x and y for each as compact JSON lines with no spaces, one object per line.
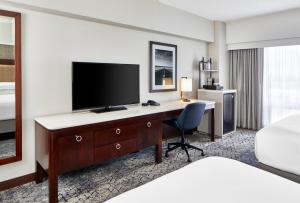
{"x":73,"y":141}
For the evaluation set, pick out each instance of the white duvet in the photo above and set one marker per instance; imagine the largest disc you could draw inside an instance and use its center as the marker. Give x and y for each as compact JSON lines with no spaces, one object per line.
{"x":278,"y":145}
{"x":215,"y":180}
{"x":7,"y":107}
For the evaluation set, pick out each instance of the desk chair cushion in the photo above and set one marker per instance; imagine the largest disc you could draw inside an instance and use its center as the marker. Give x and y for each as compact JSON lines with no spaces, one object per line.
{"x":191,"y":116}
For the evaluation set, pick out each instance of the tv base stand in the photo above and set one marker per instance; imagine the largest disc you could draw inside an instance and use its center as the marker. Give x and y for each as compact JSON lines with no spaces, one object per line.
{"x":109,"y":109}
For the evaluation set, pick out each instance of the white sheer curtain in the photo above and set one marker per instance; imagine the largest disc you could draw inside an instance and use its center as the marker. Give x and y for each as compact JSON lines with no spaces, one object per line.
{"x":281,"y":91}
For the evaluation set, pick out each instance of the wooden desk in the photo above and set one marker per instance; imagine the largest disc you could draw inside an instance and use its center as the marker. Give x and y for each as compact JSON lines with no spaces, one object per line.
{"x":72,"y":141}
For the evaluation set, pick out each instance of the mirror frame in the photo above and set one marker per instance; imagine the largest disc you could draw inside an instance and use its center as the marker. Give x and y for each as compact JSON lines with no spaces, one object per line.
{"x":18,"y":85}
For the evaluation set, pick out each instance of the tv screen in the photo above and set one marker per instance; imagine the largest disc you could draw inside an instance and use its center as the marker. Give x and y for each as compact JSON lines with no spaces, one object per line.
{"x":97,"y":85}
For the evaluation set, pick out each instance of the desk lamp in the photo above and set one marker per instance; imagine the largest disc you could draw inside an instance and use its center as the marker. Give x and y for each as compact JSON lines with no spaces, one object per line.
{"x":186,"y":86}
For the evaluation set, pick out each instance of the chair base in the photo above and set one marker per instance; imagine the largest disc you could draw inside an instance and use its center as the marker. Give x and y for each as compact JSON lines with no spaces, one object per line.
{"x":184,"y":146}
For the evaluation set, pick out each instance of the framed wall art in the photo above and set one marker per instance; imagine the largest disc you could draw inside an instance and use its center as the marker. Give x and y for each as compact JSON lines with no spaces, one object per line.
{"x":163,"y":67}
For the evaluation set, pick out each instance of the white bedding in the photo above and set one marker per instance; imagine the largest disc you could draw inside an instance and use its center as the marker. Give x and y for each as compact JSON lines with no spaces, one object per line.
{"x":278,"y":145}
{"x":7,"y":107}
{"x":7,"y":88}
{"x":215,"y":180}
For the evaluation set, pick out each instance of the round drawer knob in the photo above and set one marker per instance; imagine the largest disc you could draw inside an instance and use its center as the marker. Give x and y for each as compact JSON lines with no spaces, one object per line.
{"x":78,"y":138}
{"x":149,"y":124}
{"x":118,"y":146}
{"x":118,"y":131}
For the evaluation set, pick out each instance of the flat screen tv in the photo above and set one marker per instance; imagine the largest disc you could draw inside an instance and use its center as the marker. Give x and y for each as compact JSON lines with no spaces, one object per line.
{"x":100,"y":86}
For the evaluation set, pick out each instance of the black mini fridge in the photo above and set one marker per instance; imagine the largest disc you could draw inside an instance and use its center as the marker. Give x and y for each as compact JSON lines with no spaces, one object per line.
{"x":228,"y":112}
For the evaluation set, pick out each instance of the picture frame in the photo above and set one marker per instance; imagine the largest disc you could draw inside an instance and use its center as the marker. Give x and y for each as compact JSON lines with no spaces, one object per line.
{"x":163,"y":67}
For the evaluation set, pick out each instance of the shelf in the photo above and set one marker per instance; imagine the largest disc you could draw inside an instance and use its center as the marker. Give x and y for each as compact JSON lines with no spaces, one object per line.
{"x":213,"y":70}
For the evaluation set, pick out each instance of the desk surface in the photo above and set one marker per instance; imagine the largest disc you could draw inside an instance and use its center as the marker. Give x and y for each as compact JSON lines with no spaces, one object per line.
{"x":61,"y":121}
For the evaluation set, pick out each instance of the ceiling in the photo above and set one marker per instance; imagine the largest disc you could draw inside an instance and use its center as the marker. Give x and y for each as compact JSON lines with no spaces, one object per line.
{"x":227,"y":10}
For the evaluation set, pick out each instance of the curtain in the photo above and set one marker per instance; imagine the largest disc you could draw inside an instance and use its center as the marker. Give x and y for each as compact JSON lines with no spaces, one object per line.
{"x":281,"y":82}
{"x":246,"y":76}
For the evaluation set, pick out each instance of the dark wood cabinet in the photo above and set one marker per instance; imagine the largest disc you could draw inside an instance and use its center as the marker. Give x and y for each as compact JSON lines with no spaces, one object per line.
{"x":65,"y":149}
{"x":68,"y":149}
{"x":75,"y":151}
{"x":148,"y":131}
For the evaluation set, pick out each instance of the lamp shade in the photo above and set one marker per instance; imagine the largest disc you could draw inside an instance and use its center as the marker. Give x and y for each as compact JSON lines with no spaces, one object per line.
{"x":186,"y":85}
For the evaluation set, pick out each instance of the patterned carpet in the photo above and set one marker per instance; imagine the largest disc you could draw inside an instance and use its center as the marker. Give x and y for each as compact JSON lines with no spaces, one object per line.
{"x":7,"y":148}
{"x":100,"y":183}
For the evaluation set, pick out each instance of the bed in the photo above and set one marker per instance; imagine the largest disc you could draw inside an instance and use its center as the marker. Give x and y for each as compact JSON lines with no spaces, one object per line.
{"x":7,"y":107}
{"x":277,"y":147}
{"x":215,"y":180}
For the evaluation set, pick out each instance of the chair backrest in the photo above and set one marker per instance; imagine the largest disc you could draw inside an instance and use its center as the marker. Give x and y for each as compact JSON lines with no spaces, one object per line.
{"x":191,"y":116}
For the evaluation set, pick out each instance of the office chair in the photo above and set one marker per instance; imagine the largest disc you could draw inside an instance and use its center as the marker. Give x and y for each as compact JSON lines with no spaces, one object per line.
{"x":188,"y":120}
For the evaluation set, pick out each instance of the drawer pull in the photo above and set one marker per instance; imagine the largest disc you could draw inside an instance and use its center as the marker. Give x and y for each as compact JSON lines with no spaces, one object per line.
{"x":78,"y":138}
{"x":118,"y":146}
{"x":149,"y":124}
{"x":118,"y":131}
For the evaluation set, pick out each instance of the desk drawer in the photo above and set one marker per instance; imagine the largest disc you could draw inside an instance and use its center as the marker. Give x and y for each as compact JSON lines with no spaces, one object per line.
{"x":149,"y":132}
{"x":116,"y":134}
{"x":114,"y":150}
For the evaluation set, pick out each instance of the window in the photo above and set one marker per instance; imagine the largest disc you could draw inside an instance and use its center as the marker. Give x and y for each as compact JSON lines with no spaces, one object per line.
{"x":281,"y":82}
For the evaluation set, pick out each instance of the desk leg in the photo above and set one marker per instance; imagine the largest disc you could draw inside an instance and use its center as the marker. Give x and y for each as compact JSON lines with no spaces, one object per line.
{"x":158,"y":146}
{"x":212,"y":125}
{"x":52,"y":171}
{"x":53,"y":186}
{"x":158,"y":157}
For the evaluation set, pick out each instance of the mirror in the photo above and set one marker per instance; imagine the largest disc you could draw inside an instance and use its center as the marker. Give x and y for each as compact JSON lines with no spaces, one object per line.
{"x":10,"y":87}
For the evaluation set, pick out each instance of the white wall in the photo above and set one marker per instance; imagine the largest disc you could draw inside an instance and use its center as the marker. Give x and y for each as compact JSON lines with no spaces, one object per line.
{"x":50,"y":43}
{"x":217,"y":50}
{"x":144,"y":14}
{"x":267,"y":30}
{"x":7,"y":30}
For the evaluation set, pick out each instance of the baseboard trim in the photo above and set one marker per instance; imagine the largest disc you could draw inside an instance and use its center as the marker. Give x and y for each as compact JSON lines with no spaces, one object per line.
{"x":8,"y":184}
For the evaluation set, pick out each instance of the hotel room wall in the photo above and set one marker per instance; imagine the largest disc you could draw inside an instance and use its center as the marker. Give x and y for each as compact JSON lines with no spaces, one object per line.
{"x":218,"y":52}
{"x":142,"y":14}
{"x":275,"y":29}
{"x":7,"y":31}
{"x":50,"y":43}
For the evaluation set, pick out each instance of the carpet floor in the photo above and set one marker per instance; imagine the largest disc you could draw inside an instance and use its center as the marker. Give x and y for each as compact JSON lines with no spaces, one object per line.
{"x":7,"y":148}
{"x":102,"y":182}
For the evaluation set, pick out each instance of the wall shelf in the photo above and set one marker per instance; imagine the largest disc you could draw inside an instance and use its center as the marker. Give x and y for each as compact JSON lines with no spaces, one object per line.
{"x":213,"y":70}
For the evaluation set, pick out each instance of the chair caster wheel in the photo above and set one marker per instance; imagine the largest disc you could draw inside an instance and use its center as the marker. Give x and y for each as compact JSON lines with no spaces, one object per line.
{"x":166,"y":155}
{"x":189,"y":160}
{"x":202,"y":154}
